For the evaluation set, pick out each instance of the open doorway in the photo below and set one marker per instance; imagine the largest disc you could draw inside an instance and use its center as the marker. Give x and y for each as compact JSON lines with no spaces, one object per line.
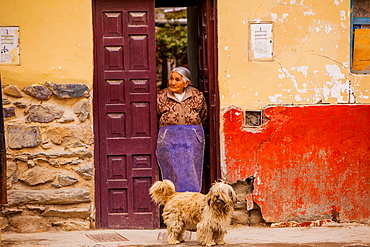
{"x":124,"y":105}
{"x":186,"y":36}
{"x":175,"y":42}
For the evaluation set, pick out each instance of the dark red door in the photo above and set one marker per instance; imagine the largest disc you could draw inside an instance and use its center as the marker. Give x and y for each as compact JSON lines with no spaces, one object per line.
{"x":207,"y":64}
{"x":125,"y":121}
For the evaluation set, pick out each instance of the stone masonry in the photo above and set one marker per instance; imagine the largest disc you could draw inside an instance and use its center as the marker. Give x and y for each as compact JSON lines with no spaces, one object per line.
{"x":49,"y":140}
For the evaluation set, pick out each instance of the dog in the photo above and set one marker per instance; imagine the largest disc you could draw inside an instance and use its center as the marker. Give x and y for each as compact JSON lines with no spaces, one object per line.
{"x":210,"y":214}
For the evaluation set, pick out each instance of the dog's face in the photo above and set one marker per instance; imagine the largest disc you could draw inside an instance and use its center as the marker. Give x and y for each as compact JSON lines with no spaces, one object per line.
{"x":221,"y":196}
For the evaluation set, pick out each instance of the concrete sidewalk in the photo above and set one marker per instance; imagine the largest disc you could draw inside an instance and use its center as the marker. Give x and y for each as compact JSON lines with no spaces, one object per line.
{"x":349,"y":235}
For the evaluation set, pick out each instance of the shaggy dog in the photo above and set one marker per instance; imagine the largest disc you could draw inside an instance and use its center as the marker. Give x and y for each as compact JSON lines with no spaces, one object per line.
{"x":210,"y":213}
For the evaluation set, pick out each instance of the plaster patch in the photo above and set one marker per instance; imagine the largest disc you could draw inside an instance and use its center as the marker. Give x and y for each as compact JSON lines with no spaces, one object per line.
{"x":328,"y":28}
{"x":342,"y":15}
{"x":298,"y":98}
{"x":285,"y":73}
{"x":226,"y":48}
{"x":274,"y":99}
{"x":362,"y":96}
{"x":334,"y":72}
{"x":337,"y":86}
{"x":337,"y":2}
{"x":303,"y":70}
{"x":307,"y":13}
{"x":274,"y":16}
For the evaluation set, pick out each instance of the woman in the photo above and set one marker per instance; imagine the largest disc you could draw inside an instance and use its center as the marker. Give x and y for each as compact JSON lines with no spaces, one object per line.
{"x":182,"y":111}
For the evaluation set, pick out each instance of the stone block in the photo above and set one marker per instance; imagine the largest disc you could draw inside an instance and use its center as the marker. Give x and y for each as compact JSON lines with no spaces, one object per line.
{"x":23,"y":136}
{"x":45,"y":197}
{"x":65,"y":180}
{"x":73,"y":225}
{"x":39,"y":92}
{"x":3,"y":222}
{"x":70,"y":135}
{"x":64,"y":91}
{"x":9,"y":112}
{"x":28,"y":224}
{"x":82,"y":110}
{"x":85,"y":171}
{"x":43,"y":114}
{"x":81,"y":212}
{"x":13,"y":90}
{"x":37,"y":175}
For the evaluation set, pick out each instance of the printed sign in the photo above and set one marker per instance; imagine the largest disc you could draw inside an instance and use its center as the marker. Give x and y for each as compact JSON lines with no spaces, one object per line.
{"x":261,"y":42}
{"x":9,"y":45}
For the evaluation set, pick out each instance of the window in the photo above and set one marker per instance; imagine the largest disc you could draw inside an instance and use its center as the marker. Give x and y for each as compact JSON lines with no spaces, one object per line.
{"x":360,"y":36}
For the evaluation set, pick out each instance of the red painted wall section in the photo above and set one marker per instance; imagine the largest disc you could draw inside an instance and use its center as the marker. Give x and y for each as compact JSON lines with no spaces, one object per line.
{"x":311,"y":162}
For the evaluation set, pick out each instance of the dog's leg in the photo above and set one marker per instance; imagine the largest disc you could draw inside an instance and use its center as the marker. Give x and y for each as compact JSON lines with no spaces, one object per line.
{"x":175,"y":232}
{"x":172,"y":236}
{"x":180,"y":237}
{"x":205,"y":235}
{"x":218,"y":236}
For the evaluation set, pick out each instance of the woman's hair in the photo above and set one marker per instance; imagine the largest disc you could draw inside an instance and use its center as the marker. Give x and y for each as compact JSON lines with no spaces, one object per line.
{"x":184,"y":72}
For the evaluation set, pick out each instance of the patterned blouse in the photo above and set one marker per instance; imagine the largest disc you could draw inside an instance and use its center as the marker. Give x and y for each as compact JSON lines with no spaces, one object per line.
{"x":192,"y":110}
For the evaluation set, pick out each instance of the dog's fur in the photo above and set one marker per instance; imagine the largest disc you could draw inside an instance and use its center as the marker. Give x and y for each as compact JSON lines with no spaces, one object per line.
{"x":210,"y":213}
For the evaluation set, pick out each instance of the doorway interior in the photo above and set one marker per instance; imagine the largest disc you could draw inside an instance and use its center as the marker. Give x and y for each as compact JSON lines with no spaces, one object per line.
{"x":199,"y":54}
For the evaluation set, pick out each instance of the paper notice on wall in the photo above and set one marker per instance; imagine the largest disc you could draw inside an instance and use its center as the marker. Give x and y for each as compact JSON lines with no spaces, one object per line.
{"x":261,"y":42}
{"x":9,"y":45}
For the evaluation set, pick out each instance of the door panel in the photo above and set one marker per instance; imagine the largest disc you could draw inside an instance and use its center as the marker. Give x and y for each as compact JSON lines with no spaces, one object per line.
{"x":207,"y":73}
{"x":125,"y":120}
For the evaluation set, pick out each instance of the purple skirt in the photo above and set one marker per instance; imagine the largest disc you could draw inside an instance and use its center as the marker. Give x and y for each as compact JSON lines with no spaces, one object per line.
{"x":180,"y":153}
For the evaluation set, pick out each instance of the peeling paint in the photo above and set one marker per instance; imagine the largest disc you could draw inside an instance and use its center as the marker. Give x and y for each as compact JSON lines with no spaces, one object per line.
{"x":310,"y":12}
{"x":302,"y":69}
{"x":274,"y":99}
{"x":334,"y":72}
{"x":328,"y":28}
{"x":342,"y":15}
{"x":308,"y":153}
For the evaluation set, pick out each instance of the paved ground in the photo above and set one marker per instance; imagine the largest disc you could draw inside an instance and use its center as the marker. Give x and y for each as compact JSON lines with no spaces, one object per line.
{"x":344,"y":235}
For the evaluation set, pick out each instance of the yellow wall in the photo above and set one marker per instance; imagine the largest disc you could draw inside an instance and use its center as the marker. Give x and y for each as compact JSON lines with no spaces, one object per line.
{"x":56,"y":41}
{"x":311,"y":50}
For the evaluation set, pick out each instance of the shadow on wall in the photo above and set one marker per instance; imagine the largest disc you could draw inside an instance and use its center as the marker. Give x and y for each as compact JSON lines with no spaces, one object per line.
{"x":246,"y":211}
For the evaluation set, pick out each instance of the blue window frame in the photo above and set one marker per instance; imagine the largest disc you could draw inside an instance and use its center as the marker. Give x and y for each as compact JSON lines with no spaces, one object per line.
{"x":360,"y":40}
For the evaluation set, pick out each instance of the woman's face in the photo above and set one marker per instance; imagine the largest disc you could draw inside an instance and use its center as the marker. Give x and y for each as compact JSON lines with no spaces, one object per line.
{"x":176,"y":83}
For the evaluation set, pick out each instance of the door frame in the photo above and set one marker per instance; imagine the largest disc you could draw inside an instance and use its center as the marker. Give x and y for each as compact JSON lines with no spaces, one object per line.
{"x":213,"y":122}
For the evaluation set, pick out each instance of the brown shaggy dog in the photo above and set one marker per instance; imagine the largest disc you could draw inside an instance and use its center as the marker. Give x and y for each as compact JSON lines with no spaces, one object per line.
{"x":184,"y":210}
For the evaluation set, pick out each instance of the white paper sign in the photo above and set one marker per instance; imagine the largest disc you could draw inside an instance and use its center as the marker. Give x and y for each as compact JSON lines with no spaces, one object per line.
{"x":261,"y":42}
{"x":9,"y":45}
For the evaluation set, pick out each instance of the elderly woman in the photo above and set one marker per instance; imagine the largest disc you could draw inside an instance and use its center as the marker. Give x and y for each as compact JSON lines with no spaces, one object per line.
{"x":182,"y":111}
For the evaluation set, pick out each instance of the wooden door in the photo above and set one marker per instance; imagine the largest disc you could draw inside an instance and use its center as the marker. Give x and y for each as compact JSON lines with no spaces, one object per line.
{"x":207,"y":76}
{"x":125,"y":121}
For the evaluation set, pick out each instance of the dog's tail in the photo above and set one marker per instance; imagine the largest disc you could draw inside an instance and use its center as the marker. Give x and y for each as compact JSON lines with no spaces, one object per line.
{"x":161,"y":190}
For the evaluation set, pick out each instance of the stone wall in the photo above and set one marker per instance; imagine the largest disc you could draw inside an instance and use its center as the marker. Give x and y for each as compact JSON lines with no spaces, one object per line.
{"x":49,"y":140}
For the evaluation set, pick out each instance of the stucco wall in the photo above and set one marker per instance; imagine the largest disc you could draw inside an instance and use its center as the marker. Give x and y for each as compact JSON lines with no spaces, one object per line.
{"x":56,"y":41}
{"x":311,"y":54}
{"x":301,"y":154}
